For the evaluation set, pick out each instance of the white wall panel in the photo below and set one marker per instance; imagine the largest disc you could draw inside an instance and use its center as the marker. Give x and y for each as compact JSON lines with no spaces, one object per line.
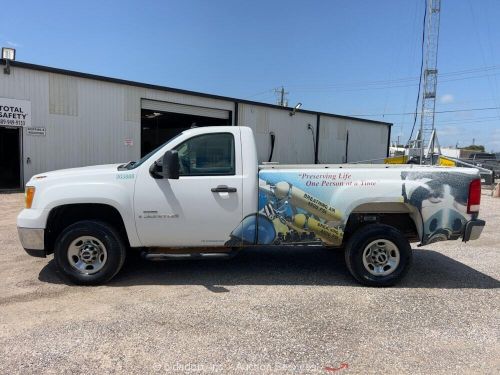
{"x":332,"y":140}
{"x":63,"y":95}
{"x":366,"y":140}
{"x":293,"y":142}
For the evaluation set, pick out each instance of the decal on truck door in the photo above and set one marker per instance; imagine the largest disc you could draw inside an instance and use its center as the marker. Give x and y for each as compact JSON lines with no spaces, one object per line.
{"x":311,"y":207}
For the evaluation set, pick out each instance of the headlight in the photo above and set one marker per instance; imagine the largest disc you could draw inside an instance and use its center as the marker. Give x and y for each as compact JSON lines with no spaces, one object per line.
{"x":28,"y":196}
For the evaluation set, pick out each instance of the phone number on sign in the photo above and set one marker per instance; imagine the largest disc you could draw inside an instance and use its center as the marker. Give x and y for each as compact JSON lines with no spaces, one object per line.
{"x":12,"y":122}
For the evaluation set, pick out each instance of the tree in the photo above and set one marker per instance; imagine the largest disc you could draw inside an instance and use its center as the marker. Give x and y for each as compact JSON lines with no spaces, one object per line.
{"x":473,"y":147}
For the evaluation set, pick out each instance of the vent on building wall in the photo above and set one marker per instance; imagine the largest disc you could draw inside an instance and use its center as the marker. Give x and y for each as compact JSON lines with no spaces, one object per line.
{"x":63,"y":95}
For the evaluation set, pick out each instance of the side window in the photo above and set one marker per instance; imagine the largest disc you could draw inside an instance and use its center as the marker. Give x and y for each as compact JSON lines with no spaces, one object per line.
{"x":208,"y":154}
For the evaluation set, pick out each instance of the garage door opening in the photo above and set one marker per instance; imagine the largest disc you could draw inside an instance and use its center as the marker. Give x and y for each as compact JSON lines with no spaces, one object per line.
{"x":161,"y":121}
{"x":10,"y":158}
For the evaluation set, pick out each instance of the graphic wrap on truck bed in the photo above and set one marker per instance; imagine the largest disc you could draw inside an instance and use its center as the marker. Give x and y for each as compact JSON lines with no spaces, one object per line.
{"x":441,"y":199}
{"x":311,"y":206}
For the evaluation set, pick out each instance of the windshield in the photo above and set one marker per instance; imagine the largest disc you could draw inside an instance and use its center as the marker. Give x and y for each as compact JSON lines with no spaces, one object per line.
{"x":135,"y":164}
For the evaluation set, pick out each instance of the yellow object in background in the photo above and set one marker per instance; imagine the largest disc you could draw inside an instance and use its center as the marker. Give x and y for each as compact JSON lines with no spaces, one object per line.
{"x":445,"y":162}
{"x":402,"y":159}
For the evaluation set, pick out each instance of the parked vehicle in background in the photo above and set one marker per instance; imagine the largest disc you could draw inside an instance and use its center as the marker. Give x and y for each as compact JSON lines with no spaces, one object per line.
{"x":486,"y":160}
{"x":482,"y":156}
{"x":203,"y":195}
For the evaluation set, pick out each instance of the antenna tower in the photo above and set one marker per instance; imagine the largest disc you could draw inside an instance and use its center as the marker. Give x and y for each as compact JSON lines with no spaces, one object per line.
{"x":426,"y":140}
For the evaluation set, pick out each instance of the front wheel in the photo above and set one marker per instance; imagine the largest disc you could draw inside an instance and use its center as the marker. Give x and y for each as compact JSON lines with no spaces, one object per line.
{"x":89,"y":252}
{"x":378,"y":255}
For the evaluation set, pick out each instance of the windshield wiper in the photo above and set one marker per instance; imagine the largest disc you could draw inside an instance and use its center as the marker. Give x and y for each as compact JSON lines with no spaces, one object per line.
{"x":126,"y":165}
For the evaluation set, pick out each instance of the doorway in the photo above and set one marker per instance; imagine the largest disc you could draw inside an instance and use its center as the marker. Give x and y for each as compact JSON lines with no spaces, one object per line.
{"x":161,"y":121}
{"x":10,"y":158}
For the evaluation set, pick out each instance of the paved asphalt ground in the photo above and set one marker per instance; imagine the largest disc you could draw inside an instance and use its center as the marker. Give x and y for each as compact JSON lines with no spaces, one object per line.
{"x":266,"y":311}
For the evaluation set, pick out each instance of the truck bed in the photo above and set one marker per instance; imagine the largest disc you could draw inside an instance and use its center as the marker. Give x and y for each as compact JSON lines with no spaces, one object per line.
{"x":314,"y":202}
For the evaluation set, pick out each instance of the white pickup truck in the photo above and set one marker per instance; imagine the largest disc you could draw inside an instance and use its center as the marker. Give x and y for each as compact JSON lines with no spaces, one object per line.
{"x":203,"y":195}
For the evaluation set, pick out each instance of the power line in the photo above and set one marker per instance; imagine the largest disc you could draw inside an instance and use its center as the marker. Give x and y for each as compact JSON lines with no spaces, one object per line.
{"x":340,"y":89}
{"x":393,"y":83}
{"x":413,"y":113}
{"x":468,"y":120}
{"x":413,"y":55}
{"x":420,"y":79}
{"x":476,"y":29}
{"x":260,"y":93}
{"x":397,"y":80}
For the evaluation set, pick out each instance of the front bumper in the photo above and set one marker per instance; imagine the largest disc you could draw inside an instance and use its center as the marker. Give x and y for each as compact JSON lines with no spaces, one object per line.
{"x":33,"y":241}
{"x":473,"y":230}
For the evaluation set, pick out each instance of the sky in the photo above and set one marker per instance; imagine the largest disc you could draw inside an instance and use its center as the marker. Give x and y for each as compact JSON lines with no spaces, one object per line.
{"x":356,"y":57}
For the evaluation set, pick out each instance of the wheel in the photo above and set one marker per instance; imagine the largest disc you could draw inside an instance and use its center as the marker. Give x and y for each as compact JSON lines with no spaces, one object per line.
{"x":89,"y":252}
{"x":378,"y":255}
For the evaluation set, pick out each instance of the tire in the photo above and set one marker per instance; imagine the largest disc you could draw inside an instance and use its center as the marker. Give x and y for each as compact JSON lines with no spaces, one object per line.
{"x":378,"y":255}
{"x":89,"y":252}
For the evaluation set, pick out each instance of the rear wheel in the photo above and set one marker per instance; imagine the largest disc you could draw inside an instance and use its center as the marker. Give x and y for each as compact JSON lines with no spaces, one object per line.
{"x":89,"y":252}
{"x":378,"y":255}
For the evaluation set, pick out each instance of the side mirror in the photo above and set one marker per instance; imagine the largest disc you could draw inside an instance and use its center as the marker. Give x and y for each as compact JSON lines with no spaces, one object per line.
{"x":170,"y":164}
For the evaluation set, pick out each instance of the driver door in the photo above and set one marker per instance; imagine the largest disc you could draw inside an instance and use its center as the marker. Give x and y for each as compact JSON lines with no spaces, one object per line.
{"x":204,"y":205}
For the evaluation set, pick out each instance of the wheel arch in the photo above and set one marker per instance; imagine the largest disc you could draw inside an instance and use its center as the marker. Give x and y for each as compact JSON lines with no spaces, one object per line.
{"x":401,"y":216}
{"x":60,"y":217}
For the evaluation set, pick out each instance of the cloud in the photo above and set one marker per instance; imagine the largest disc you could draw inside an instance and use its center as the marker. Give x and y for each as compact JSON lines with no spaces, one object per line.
{"x":447,"y":99}
{"x":13,"y":44}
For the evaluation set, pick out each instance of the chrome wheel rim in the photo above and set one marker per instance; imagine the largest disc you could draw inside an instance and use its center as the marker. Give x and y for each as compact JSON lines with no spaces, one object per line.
{"x":87,"y":255}
{"x":381,"y":257}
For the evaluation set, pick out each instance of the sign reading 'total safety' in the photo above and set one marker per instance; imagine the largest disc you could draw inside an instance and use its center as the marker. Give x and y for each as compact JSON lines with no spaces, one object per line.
{"x":14,"y":112}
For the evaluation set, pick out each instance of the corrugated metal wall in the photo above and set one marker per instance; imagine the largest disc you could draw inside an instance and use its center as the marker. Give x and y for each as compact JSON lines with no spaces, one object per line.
{"x":366,"y":140}
{"x":87,"y":121}
{"x":293,"y":142}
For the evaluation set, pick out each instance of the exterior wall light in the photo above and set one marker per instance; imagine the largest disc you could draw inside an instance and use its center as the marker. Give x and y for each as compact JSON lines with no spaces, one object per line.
{"x":8,"y":54}
{"x":297,"y":106}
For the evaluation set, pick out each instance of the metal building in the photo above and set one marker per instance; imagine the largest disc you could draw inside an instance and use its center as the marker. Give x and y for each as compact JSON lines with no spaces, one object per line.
{"x":52,"y":118}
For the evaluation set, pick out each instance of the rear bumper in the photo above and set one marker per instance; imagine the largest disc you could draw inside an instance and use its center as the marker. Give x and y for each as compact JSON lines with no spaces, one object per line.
{"x":32,"y":240}
{"x":473,"y":230}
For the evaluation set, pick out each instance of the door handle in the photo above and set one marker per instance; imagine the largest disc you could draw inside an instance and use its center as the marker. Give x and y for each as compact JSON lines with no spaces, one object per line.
{"x":223,"y":189}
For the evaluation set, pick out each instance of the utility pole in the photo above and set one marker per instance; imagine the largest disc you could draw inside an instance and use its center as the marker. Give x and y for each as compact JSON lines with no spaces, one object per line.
{"x":281,"y":96}
{"x":427,"y":135}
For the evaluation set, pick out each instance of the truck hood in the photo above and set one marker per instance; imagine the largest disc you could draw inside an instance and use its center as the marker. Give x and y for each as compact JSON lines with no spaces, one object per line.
{"x":82,"y":171}
{"x":94,"y":184}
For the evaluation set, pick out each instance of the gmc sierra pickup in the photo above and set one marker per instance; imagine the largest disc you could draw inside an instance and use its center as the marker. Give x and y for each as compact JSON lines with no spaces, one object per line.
{"x":203,"y":195}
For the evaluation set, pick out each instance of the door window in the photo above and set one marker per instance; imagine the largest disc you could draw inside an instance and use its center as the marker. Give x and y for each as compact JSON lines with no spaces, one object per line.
{"x":207,"y":155}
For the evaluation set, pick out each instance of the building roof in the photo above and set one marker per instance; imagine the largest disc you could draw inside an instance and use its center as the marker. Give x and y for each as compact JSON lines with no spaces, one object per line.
{"x":49,"y":69}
